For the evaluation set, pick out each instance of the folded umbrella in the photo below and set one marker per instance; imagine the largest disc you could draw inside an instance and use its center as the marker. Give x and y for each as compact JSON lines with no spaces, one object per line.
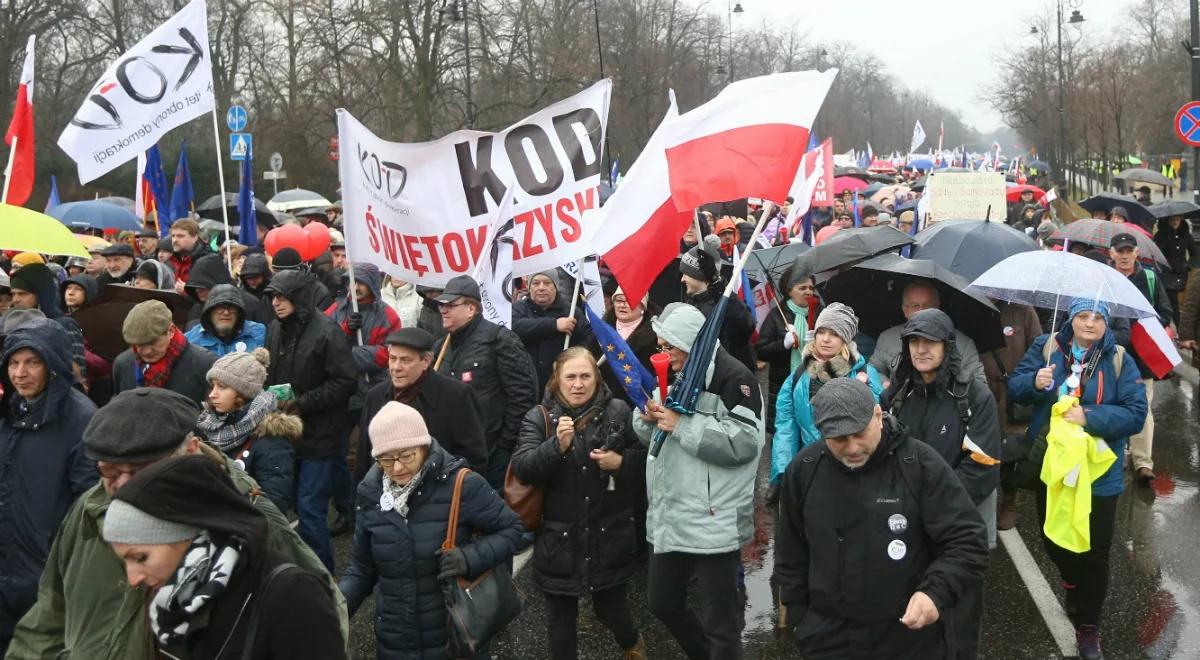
{"x":29,"y":231}
{"x":967,"y":248}
{"x":96,"y":214}
{"x":1099,"y":233}
{"x":850,"y":245}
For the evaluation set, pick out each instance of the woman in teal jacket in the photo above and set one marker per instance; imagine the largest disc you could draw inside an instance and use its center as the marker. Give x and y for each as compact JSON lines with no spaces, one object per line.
{"x":830,"y":354}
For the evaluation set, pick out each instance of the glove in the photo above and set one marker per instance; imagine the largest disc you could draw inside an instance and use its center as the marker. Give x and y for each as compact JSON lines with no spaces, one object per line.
{"x":451,"y":563}
{"x":354,"y":322}
{"x":789,"y":340}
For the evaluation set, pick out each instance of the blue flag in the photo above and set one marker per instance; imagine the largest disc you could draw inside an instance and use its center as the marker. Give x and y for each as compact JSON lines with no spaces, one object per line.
{"x":807,"y":236}
{"x":156,"y":178}
{"x":637,"y":381}
{"x":247,"y":221}
{"x":182,"y":197}
{"x":854,"y":207}
{"x":53,"y":200}
{"x":615,"y":172}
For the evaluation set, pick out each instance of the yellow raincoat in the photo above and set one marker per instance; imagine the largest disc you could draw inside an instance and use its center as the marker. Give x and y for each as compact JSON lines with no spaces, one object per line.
{"x":1073,"y":460}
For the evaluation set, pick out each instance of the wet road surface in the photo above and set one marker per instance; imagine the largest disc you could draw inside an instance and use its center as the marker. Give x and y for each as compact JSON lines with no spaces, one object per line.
{"x":1152,"y":611}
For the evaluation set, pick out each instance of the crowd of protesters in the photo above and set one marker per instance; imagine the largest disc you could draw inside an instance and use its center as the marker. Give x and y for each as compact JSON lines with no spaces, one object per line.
{"x":146,"y":495}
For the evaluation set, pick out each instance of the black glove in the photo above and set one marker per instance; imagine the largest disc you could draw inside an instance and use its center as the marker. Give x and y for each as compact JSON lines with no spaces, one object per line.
{"x":452,"y":563}
{"x":354,"y":322}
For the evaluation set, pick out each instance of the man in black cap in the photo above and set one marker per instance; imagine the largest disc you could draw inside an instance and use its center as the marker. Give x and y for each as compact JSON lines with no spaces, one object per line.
{"x":289,"y":259}
{"x":147,"y":243}
{"x":877,"y":541}
{"x":119,"y":264}
{"x":85,"y":608}
{"x":1142,"y":195}
{"x":700,"y":275}
{"x":447,"y":405}
{"x":1124,"y":255}
{"x":491,"y":359}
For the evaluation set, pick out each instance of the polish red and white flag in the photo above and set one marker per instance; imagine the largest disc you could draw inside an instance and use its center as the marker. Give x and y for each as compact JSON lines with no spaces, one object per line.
{"x":1156,"y":349}
{"x":746,"y":142}
{"x":20,"y":170}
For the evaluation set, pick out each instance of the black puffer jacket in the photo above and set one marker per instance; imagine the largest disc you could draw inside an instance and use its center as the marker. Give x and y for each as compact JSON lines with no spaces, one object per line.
{"x":588,"y":540}
{"x":1180,"y":250}
{"x":309,"y":351}
{"x":931,"y":412}
{"x":493,"y":362}
{"x":839,"y":529}
{"x":209,"y":271}
{"x":538,"y":329}
{"x":395,"y":555}
{"x":738,"y":326}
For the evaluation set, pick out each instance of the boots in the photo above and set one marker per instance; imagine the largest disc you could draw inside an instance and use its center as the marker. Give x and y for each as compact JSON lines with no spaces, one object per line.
{"x":1087,"y":638}
{"x":1006,"y":516}
{"x":638,"y":652}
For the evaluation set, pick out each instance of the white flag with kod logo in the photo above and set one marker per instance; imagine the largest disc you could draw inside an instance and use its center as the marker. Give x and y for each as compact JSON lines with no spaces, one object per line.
{"x":162,"y":82}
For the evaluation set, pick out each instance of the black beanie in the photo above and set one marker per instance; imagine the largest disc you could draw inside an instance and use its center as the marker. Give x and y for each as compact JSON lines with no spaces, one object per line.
{"x":286,"y":259}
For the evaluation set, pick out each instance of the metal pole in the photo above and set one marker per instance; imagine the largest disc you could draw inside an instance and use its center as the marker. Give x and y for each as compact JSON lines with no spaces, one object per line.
{"x":1062,"y":124}
{"x":1195,"y":11}
{"x":599,"y":44}
{"x":729,"y":7}
{"x":467,"y":46}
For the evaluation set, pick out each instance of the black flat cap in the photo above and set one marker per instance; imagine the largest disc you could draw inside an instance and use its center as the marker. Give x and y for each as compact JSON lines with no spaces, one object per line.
{"x":121,"y":432}
{"x":414,"y":338}
{"x":117,"y":250}
{"x":1124,"y":239}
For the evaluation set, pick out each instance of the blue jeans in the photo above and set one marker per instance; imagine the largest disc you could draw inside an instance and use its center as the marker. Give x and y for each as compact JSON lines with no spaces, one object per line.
{"x":314,"y":483}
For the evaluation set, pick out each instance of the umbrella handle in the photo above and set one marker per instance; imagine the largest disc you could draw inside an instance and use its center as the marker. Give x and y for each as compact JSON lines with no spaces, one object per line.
{"x":736,"y":278}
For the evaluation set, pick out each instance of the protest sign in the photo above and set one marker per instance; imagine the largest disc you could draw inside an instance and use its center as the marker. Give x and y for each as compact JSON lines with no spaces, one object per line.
{"x":822,"y":156}
{"x":163,"y":81}
{"x":422,"y":211}
{"x":966,"y":195}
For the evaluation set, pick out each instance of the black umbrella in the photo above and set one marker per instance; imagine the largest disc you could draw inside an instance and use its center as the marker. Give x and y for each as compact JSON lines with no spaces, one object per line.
{"x":967,"y":248}
{"x":873,"y":288}
{"x":1174,"y":207}
{"x":1106,"y":201}
{"x":1039,"y":165}
{"x":850,"y":245}
{"x":851,"y":171}
{"x":773,"y":261}
{"x":211,"y":210}
{"x":101,"y":319}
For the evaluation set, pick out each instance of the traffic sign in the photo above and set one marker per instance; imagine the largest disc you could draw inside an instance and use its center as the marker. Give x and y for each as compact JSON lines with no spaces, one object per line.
{"x":240,"y":145}
{"x":1187,"y":124}
{"x":276,"y":162}
{"x":272,"y":175}
{"x":235,"y":118}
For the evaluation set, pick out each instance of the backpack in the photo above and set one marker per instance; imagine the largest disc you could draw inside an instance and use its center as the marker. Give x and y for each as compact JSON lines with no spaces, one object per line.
{"x":910,"y":467}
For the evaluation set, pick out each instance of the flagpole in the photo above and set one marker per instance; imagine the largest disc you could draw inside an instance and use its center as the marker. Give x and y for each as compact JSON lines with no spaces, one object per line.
{"x":221,"y":175}
{"x":12,"y":156}
{"x":574,"y":299}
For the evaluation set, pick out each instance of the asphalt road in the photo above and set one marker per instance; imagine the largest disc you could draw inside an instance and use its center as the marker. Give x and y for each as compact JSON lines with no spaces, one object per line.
{"x":1153,"y":608}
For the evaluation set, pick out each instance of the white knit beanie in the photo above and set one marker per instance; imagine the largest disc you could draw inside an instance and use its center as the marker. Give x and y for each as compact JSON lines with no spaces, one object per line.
{"x":396,"y":427}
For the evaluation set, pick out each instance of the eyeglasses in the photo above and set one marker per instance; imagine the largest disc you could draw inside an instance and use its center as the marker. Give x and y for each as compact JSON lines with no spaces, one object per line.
{"x":446,"y":307}
{"x":405,"y":457}
{"x":115,"y":470}
{"x":664,"y":348}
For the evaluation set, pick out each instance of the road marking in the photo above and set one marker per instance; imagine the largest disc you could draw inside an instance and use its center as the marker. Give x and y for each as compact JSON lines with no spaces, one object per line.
{"x":1052,"y":612}
{"x":521,"y":559}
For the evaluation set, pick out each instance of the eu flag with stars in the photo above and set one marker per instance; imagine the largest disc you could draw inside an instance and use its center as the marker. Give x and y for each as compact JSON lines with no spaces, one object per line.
{"x":634,"y":377}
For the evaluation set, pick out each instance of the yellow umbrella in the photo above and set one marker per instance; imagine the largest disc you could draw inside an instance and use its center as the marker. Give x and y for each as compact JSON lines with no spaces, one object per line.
{"x":92,"y":242}
{"x":30,"y":231}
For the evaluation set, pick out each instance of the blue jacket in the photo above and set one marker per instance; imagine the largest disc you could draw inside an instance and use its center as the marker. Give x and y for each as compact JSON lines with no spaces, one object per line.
{"x":1113,"y":413}
{"x":42,"y":465}
{"x":794,"y":425}
{"x":253,"y":335}
{"x":396,"y":557}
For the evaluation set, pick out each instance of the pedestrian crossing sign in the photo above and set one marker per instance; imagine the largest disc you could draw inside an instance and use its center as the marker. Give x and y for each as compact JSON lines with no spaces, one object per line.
{"x":240,"y":146}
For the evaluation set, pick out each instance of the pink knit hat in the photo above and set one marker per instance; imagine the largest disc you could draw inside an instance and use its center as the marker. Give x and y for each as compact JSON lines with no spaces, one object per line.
{"x":396,"y":427}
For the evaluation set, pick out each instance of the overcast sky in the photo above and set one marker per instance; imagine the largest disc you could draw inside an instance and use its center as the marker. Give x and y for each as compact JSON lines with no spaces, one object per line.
{"x":956,"y":41}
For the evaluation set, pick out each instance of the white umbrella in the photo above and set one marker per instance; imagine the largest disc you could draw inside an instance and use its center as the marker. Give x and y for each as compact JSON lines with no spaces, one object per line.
{"x":297,"y":198}
{"x":1052,"y":280}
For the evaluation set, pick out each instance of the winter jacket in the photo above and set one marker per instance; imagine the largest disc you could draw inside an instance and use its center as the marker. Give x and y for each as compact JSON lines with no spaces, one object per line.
{"x":1179,"y":248}
{"x":538,"y":329}
{"x":1021,"y":327}
{"x":1159,"y":299}
{"x":1114,"y":404}
{"x":888,"y":345}
{"x":493,"y":362}
{"x":90,"y":288}
{"x":738,"y":327}
{"x":207,"y":272}
{"x":309,"y":352}
{"x":249,"y":335}
{"x":183,"y":263}
{"x":268,"y":457}
{"x":123,"y":278}
{"x":405,"y":300}
{"x":256,"y":264}
{"x":795,"y":426}
{"x":85,"y":608}
{"x":933,"y":413}
{"x":588,"y":540}
{"x":394,"y":555}
{"x":42,"y":464}
{"x":189,"y":375}
{"x":430,"y":319}
{"x":770,"y":349}
{"x":853,"y":544}
{"x":451,"y":414}
{"x":701,"y":485}
{"x":379,"y":321}
{"x":644,"y":343}
{"x":1189,"y":313}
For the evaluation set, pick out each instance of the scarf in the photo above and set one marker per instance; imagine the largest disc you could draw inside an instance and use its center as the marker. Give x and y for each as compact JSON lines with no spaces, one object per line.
{"x":626,"y":328}
{"x":798,"y":350}
{"x":156,"y":374}
{"x":201,"y":577}
{"x":410,"y":393}
{"x":228,"y":431}
{"x":395,"y":496}
{"x":822,"y":372}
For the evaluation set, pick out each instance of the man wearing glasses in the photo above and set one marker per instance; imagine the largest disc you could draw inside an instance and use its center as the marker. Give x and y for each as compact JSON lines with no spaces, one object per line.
{"x":917,"y":296}
{"x":85,"y":607}
{"x":492,"y":360}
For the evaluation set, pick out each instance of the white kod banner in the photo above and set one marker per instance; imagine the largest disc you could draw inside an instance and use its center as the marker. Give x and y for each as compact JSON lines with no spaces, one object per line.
{"x":422,"y":211}
{"x":162,"y":82}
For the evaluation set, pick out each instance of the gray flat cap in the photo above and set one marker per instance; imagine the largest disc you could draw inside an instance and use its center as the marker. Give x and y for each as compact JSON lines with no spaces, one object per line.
{"x":843,"y":406}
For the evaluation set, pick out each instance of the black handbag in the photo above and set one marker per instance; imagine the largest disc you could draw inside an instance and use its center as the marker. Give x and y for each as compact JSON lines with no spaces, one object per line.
{"x":476,"y":609}
{"x":1021,"y":460}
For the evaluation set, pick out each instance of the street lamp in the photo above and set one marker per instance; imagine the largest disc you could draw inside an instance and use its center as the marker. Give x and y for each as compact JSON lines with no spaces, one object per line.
{"x":452,"y":13}
{"x":1076,"y":19}
{"x":735,"y":9}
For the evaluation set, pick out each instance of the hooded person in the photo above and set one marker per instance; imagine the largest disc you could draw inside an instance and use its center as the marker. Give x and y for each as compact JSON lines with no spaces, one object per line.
{"x":154,"y":275}
{"x":43,"y":468}
{"x":919,"y":295}
{"x":223,"y":326}
{"x":34,"y":286}
{"x":700,"y":270}
{"x":289,"y":259}
{"x":543,"y":318}
{"x":159,"y":355}
{"x":311,"y":357}
{"x":78,"y":291}
{"x":85,"y":607}
{"x":374,"y":319}
{"x":243,"y":421}
{"x":185,"y":533}
{"x":255,"y":275}
{"x":209,"y":271}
